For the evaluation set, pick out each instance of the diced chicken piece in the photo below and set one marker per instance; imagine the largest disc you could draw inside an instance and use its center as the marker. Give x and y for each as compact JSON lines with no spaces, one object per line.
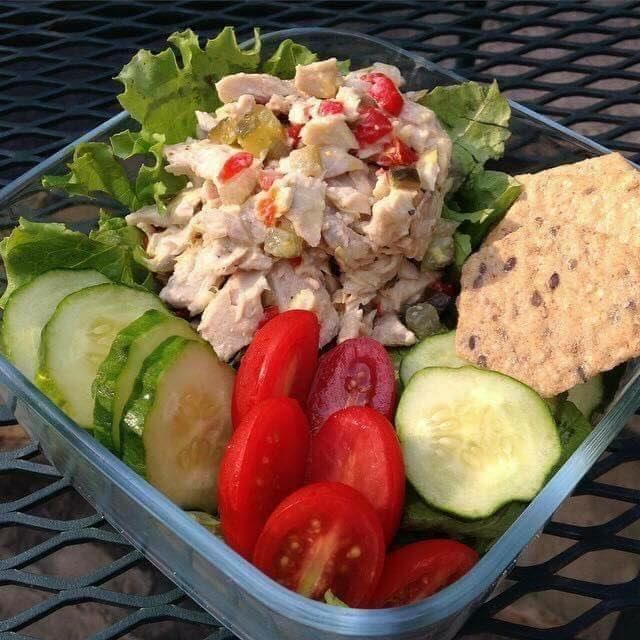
{"x":415,"y":96}
{"x":232,"y":317}
{"x":239,"y":224}
{"x":416,"y":113}
{"x":349,"y":199}
{"x":388,"y":330}
{"x":423,"y":224}
{"x":391,"y":218}
{"x":350,"y":249}
{"x":383,"y":185}
{"x":179,"y":211}
{"x":328,"y":131}
{"x":354,"y":81}
{"x":406,"y":290}
{"x":260,"y":85}
{"x":354,"y":323}
{"x":354,"y":77}
{"x":350,"y":100}
{"x":318,"y":79}
{"x":164,"y":246}
{"x":307,"y":206}
{"x":302,"y":109}
{"x":428,"y":169}
{"x":362,"y":181}
{"x":303,"y":289}
{"x":419,"y":127}
{"x":205,"y":159}
{"x":363,"y":284}
{"x":192,"y":282}
{"x":206,"y":122}
{"x":279,"y":104}
{"x":238,"y":109}
{"x":336,"y":161}
{"x":371,"y":150}
{"x":201,"y":268}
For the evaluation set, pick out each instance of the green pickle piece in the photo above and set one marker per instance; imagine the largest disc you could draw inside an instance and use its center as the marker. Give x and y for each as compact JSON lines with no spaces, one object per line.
{"x":260,"y":130}
{"x":224,"y":132}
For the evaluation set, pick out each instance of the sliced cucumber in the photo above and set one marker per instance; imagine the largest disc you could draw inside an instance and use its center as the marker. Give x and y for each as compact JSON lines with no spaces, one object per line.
{"x":588,"y":396}
{"x":117,"y":374}
{"x":474,"y":440}
{"x":29,"y":309}
{"x":77,"y":339}
{"x":434,"y":351}
{"x":178,"y":421}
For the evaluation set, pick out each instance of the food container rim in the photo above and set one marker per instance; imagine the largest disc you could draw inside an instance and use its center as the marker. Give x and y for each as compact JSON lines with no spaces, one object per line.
{"x":358,"y":622}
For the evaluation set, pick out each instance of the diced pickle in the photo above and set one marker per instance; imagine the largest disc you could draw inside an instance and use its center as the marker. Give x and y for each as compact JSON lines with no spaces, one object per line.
{"x":260,"y":130}
{"x":282,"y":243}
{"x":423,"y":320}
{"x":404,"y":178}
{"x":223,"y":133}
{"x":307,"y":160}
{"x":441,"y":249}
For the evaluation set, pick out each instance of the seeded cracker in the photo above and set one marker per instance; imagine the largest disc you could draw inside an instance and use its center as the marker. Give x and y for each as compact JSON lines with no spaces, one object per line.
{"x":551,"y":307}
{"x":602,"y":193}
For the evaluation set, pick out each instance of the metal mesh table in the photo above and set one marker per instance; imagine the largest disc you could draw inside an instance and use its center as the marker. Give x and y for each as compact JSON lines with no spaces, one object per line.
{"x":63,"y":571}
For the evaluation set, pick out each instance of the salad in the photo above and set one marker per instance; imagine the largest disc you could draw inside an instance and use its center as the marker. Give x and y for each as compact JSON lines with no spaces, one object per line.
{"x":264,"y":324}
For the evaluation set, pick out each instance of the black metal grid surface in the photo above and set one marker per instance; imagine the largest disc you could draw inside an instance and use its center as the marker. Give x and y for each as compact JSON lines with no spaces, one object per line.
{"x":63,"y":571}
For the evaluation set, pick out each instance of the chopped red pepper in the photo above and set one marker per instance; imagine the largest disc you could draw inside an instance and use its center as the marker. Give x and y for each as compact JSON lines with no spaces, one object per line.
{"x":266,"y":210}
{"x":269,"y":313}
{"x":384,"y":92}
{"x":330,"y":107}
{"x":397,"y":154}
{"x":234,"y":165}
{"x":372,"y":126}
{"x":293,"y":131}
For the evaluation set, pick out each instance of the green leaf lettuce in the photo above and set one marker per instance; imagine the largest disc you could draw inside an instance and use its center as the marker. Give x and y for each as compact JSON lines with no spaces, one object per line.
{"x":284,"y":60}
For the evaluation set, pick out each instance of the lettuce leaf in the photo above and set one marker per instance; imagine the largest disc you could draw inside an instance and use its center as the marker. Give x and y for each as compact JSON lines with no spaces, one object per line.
{"x":36,"y":247}
{"x":476,"y":117}
{"x":94,"y":169}
{"x":480,"y":203}
{"x":284,"y":60}
{"x":162,"y":94}
{"x":573,"y":428}
{"x":462,"y":247}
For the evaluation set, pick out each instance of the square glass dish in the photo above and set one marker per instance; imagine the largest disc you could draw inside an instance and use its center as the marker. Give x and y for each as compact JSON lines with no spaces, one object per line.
{"x":237,"y":594}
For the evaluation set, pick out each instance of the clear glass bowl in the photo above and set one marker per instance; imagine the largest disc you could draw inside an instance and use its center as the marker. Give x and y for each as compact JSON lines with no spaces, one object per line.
{"x":242,"y":598}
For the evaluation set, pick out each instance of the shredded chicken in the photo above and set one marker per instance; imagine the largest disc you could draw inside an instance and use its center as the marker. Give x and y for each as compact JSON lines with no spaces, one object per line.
{"x":311,"y":220}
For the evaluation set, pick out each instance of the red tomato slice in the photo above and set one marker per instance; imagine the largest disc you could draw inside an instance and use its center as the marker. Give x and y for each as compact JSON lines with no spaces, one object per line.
{"x":264,"y":462}
{"x":281,"y":361}
{"x":324,"y":536}
{"x":385,"y":93}
{"x":358,"y":447}
{"x":235,"y":164}
{"x":330,"y":107}
{"x":356,"y":373}
{"x":372,"y":126}
{"x":397,"y":154}
{"x":418,"y":570}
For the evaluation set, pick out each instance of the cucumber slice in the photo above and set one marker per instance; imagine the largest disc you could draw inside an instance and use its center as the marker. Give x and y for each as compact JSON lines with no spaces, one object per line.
{"x":588,"y":396}
{"x":474,"y":440}
{"x":434,"y":351}
{"x":117,"y":374}
{"x":77,"y":339}
{"x":29,"y":309}
{"x":178,"y":421}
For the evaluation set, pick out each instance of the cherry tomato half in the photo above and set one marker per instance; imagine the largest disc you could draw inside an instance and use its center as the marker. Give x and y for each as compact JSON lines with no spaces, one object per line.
{"x":358,"y":447}
{"x":397,"y":154}
{"x":264,"y":462}
{"x":330,"y":107}
{"x":372,"y":126}
{"x":281,"y":361}
{"x":385,"y":93}
{"x":235,"y":164}
{"x":323,"y":536}
{"x":418,"y":570}
{"x":356,"y":373}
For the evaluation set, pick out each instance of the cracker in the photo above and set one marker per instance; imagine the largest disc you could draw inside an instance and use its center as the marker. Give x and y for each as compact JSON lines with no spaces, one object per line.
{"x":602,"y":193}
{"x":551,"y":307}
